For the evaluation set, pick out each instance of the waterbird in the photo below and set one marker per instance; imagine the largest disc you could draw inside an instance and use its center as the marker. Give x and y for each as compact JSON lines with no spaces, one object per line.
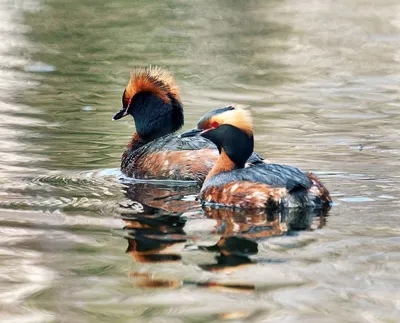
{"x":155,"y":151}
{"x":265,"y":185}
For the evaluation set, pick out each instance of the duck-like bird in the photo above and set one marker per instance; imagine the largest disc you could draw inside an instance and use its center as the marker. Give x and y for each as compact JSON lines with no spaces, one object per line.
{"x":155,"y":151}
{"x":229,"y":183}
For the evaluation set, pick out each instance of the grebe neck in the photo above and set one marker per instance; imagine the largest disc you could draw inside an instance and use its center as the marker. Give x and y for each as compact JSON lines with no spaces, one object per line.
{"x":223,"y":164}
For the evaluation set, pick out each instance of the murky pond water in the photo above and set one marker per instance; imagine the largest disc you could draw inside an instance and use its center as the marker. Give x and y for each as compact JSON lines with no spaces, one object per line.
{"x":80,"y":244}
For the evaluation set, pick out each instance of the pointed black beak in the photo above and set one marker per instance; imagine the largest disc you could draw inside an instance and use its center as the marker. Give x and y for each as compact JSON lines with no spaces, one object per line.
{"x":190,"y":133}
{"x":120,"y":114}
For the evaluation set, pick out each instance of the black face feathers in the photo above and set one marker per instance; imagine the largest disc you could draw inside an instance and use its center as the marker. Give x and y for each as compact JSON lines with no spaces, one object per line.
{"x":153,"y":117}
{"x":152,"y":98}
{"x":236,"y":143}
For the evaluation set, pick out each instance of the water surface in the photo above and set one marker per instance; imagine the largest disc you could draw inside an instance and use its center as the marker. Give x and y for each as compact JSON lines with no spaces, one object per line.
{"x":78,"y":244}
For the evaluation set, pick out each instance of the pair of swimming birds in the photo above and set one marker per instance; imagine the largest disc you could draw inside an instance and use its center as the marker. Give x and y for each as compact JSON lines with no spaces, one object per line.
{"x":218,"y":153}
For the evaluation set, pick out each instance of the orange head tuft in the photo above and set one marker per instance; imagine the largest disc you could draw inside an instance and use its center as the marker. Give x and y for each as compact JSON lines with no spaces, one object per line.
{"x":152,"y":99}
{"x":236,"y":117}
{"x":153,"y":80}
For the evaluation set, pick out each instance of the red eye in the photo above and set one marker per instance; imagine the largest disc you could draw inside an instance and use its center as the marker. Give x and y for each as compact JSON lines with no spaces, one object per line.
{"x":214,"y":125}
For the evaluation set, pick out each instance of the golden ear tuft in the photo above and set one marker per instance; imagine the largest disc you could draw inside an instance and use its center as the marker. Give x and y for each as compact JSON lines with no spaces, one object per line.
{"x":152,"y":79}
{"x":239,"y":118}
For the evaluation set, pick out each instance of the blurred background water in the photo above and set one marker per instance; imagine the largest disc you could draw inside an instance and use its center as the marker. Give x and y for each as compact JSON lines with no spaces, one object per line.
{"x":77,"y":244}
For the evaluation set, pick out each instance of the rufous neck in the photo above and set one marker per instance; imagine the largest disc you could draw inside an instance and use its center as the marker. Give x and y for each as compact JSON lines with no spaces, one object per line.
{"x":223,"y":164}
{"x":135,"y":142}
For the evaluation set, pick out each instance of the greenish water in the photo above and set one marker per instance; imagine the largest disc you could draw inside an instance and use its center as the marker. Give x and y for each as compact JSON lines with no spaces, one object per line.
{"x":322,"y":79}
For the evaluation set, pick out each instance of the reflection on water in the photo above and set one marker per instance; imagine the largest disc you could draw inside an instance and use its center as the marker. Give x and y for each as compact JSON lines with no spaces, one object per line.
{"x":158,"y":235}
{"x":80,"y":243}
{"x":158,"y":238}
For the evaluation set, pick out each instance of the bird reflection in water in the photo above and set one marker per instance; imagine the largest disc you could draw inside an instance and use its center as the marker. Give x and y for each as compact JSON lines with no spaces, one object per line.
{"x":155,"y":217}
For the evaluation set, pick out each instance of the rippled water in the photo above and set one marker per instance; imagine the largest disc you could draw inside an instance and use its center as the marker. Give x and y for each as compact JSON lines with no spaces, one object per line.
{"x":79,"y":243}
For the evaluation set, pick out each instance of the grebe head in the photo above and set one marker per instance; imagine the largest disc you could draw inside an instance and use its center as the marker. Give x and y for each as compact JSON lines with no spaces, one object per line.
{"x":205,"y":121}
{"x":231,"y":130}
{"x":152,"y":99}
